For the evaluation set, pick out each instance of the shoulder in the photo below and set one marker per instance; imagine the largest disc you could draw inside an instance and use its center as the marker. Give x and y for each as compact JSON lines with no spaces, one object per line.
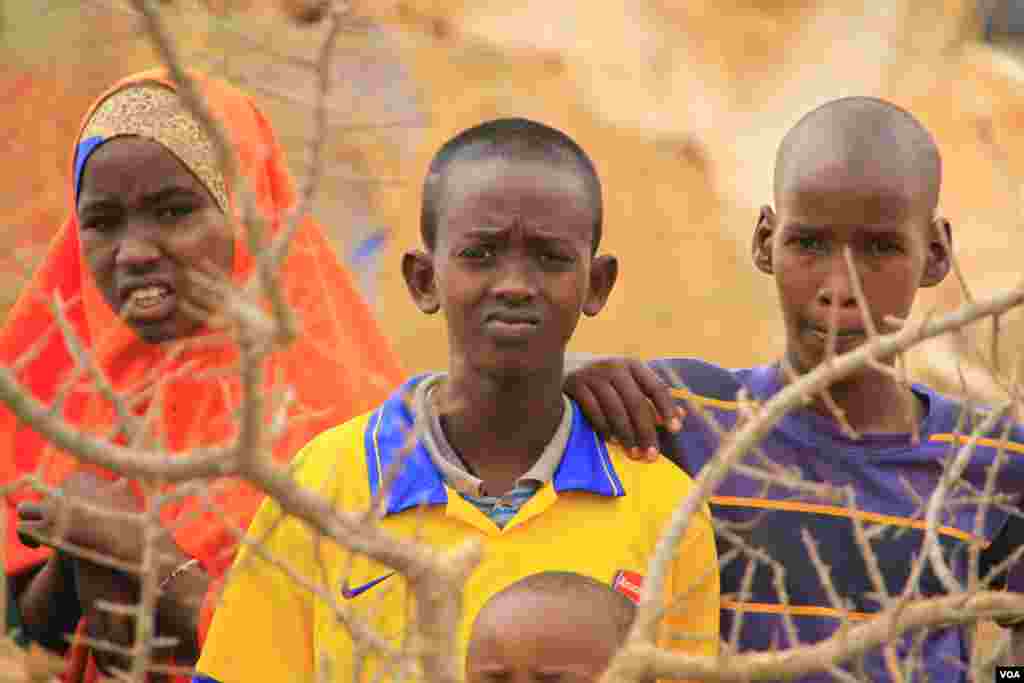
{"x":662,"y":472}
{"x":357,"y":438}
{"x":660,"y":485}
{"x":949,"y":417}
{"x":329,"y":448}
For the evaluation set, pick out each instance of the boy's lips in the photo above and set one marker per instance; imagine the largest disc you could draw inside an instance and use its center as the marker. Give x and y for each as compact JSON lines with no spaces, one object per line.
{"x":843,"y":337}
{"x":511,"y":324}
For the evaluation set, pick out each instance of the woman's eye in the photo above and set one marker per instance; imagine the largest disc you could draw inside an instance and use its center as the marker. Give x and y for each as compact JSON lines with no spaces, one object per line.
{"x":98,"y":223}
{"x":174,"y":212}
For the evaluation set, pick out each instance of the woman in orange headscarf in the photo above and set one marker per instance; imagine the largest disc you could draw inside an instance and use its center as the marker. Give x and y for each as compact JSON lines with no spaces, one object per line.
{"x":150,"y":206}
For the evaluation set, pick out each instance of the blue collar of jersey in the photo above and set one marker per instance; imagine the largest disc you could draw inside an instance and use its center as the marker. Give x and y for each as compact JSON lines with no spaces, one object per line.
{"x":585,"y":464}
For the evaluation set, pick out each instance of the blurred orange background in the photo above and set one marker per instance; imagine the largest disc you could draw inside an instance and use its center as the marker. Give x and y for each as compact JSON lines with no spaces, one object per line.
{"x":681,"y":106}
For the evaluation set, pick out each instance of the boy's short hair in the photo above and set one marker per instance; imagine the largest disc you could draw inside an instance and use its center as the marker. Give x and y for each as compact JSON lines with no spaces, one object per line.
{"x":516,"y":139}
{"x":575,"y":588}
{"x":863,"y":130}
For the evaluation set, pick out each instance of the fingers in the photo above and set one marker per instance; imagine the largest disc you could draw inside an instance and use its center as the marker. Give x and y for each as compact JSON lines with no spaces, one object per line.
{"x":590,"y":406}
{"x":640,"y":413}
{"x":614,"y":409}
{"x":620,"y":403}
{"x":659,"y":394}
{"x":35,"y":523}
{"x":95,"y":583}
{"x":121,"y":496}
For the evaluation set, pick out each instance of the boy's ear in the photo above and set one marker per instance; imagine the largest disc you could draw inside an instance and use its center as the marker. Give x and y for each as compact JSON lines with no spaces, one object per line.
{"x":761,"y":247}
{"x":940,"y":253}
{"x":418,"y":271}
{"x":604,"y":270}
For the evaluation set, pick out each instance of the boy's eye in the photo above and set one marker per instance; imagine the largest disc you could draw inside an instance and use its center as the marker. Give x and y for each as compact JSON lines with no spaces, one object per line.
{"x":810,"y":244}
{"x":548,"y":677}
{"x":881,"y":247}
{"x":477,"y":252}
{"x":556,"y":257}
{"x":495,"y":676}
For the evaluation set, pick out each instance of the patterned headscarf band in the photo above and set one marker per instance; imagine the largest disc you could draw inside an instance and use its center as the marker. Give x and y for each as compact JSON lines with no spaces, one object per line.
{"x":153,"y":111}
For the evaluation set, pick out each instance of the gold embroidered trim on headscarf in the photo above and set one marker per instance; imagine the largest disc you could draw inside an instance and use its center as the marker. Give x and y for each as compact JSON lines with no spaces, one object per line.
{"x":153,"y":111}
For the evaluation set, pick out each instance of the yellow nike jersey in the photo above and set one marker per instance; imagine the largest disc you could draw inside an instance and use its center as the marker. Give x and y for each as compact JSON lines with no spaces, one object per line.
{"x":601,"y":516}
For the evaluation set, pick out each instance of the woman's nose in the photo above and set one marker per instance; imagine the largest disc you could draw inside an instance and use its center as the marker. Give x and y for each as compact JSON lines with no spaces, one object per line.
{"x":137,"y":250}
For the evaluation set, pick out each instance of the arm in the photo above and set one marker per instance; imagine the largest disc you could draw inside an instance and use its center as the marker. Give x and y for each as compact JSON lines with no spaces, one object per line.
{"x":177,"y":612}
{"x":88,"y":582}
{"x":625,"y":400}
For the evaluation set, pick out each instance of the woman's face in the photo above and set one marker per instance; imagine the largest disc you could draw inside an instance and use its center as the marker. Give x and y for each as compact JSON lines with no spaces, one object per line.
{"x":144,"y":221}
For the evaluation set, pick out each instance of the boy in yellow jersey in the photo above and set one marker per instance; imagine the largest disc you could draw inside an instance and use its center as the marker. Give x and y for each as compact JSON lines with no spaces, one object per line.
{"x":511,"y":222}
{"x":583,"y":624}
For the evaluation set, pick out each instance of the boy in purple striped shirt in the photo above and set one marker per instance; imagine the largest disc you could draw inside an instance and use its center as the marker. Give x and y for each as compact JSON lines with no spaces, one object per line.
{"x":864,"y":175}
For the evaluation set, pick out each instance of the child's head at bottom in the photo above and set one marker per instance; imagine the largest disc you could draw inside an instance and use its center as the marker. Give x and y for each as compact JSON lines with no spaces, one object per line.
{"x":551,"y":627}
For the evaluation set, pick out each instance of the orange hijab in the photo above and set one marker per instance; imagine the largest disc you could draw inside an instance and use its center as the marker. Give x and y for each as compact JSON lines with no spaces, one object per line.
{"x":339,"y":367}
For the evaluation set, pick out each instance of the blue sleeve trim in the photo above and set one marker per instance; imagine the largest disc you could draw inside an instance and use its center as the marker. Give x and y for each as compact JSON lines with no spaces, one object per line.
{"x":203,"y":679}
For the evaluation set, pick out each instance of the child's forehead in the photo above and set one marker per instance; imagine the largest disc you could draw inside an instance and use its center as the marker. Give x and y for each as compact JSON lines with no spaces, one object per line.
{"x":510,"y":614}
{"x":835,"y":190}
{"x":498,"y":174}
{"x":532,"y":193}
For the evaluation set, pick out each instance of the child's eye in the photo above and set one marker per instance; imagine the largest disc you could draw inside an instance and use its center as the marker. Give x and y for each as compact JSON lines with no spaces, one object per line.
{"x":556,"y":257}
{"x":478,"y":252}
{"x":546,"y":677}
{"x":882,"y":247}
{"x":495,"y":676}
{"x":810,"y":244}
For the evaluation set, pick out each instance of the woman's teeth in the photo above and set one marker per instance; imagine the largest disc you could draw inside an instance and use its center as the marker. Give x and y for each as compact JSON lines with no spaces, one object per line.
{"x":144,"y":297}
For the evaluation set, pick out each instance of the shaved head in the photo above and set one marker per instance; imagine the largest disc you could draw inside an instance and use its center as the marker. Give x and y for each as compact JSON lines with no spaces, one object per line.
{"x":597,"y":601}
{"x":553,"y":626}
{"x":861,"y":137}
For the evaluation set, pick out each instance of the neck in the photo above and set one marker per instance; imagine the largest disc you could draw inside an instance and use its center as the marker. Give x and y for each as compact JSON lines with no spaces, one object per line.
{"x":500,"y":424}
{"x":871,"y":401}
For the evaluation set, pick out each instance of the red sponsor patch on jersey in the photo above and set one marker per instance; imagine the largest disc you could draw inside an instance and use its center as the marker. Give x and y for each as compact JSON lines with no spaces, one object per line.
{"x":629,"y":584}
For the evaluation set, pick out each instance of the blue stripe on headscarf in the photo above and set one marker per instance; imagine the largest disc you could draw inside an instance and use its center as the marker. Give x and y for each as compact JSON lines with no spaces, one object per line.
{"x":85,"y":148}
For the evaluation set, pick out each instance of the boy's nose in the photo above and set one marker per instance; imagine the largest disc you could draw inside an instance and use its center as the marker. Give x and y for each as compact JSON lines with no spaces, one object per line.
{"x":514,"y":284}
{"x":837,"y":288}
{"x":843,"y":297}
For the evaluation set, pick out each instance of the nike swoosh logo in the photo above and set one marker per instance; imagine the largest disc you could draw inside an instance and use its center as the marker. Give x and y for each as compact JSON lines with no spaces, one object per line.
{"x":348,"y":592}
